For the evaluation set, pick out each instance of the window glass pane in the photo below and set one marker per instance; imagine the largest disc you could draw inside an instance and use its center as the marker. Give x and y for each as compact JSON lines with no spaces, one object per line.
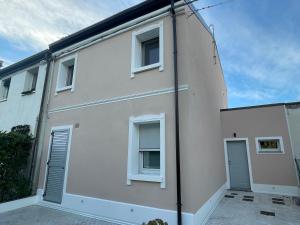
{"x":151,"y":160}
{"x":70,"y":71}
{"x":149,"y":136}
{"x":269,"y":145}
{"x":34,"y":79}
{"x":150,"y":50}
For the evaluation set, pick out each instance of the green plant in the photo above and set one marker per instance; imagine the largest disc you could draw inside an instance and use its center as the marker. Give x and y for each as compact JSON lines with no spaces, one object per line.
{"x":15,"y":149}
{"x":156,"y":222}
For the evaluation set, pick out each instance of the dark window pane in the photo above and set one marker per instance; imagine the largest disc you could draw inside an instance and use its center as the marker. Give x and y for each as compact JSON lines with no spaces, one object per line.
{"x":151,"y":160}
{"x":34,"y":79}
{"x":150,"y":50}
{"x":70,"y":72}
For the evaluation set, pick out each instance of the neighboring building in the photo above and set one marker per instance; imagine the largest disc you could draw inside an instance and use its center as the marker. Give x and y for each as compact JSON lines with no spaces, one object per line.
{"x":109,"y":143}
{"x":261,"y":145}
{"x":21,"y":90}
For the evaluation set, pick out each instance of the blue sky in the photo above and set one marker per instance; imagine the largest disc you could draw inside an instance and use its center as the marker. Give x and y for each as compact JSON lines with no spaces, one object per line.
{"x":258,"y":40}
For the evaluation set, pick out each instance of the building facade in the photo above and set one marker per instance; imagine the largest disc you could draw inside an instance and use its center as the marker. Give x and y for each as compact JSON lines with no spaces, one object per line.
{"x":268,"y":137}
{"x":109,"y":136}
{"x":21,"y":90}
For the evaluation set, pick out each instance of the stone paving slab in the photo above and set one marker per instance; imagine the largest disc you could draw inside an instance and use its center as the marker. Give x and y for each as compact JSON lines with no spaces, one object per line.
{"x":38,"y":215}
{"x":238,"y":211}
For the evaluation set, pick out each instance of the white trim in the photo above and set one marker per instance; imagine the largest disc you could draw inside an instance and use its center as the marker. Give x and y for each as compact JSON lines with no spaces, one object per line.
{"x":133,"y":157}
{"x":16,"y":204}
{"x":248,"y":158}
{"x":118,"y":99}
{"x":66,"y":127}
{"x":135,"y":49}
{"x":277,"y":189}
{"x":154,"y":16}
{"x":116,"y":212}
{"x":60,"y":62}
{"x":203,"y":214}
{"x":258,"y":151}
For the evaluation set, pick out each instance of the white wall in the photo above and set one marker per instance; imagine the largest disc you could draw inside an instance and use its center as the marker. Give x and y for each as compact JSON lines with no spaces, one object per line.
{"x":21,"y":109}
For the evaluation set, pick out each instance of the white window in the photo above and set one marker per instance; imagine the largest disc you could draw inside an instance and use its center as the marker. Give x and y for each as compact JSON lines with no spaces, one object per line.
{"x":4,"y":88}
{"x":30,"y":81}
{"x":269,"y":145}
{"x":66,"y":74}
{"x":147,"y":49}
{"x":146,"y":149}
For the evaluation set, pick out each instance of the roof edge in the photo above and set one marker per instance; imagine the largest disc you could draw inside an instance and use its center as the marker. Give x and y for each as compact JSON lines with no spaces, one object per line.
{"x":262,"y":106}
{"x":25,"y":63}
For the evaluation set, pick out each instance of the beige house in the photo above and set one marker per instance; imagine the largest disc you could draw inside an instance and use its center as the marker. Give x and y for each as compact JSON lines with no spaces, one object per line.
{"x":109,"y":136}
{"x":125,"y":96}
{"x":262,"y":148}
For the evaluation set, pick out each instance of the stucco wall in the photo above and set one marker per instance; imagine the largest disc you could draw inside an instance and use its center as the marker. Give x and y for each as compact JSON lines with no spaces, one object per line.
{"x":273,"y":169}
{"x":293,"y":114}
{"x":98,"y":158}
{"x":22,"y":109}
{"x":202,"y":151}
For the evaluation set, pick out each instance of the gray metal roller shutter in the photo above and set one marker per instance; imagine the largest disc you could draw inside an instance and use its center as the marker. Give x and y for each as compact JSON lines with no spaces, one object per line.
{"x":56,"y":166}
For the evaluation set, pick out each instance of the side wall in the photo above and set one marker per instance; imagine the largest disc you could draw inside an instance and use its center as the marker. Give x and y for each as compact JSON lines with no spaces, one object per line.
{"x":202,"y":146}
{"x":21,"y":109}
{"x":273,"y":170}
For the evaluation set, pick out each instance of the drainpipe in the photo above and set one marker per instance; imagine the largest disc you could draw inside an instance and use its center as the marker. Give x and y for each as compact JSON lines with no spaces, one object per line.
{"x":39,"y":122}
{"x":177,"y":145}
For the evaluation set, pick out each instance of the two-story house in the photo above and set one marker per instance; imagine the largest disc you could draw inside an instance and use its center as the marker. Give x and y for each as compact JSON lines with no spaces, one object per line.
{"x":21,"y":90}
{"x":110,"y":139}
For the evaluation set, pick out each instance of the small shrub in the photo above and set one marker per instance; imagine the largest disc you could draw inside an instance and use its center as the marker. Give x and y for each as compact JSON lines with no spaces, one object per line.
{"x":156,"y":222}
{"x":15,"y":149}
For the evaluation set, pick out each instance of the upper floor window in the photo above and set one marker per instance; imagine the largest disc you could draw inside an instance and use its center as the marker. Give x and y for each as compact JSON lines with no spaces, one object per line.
{"x":146,"y":149}
{"x":269,"y":145}
{"x":4,"y":88}
{"x":147,"y":49}
{"x":66,"y":74}
{"x":30,"y":81}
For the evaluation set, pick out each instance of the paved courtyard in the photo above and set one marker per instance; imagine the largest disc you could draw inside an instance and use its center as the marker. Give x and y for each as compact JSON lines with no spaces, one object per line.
{"x":247,"y":208}
{"x":37,"y":215}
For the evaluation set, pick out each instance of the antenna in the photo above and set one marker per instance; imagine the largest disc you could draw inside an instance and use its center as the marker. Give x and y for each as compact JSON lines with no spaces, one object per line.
{"x":211,"y":6}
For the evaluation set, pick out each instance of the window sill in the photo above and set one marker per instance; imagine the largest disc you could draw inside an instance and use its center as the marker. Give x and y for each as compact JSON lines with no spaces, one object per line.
{"x":3,"y":100}
{"x":146,"y":177}
{"x":64,"y":89}
{"x":270,"y":153}
{"x":28,"y":92}
{"x":145,"y":68}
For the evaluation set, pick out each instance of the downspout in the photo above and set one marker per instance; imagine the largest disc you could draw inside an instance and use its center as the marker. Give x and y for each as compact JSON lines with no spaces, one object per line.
{"x":39,"y":122}
{"x":177,"y":136}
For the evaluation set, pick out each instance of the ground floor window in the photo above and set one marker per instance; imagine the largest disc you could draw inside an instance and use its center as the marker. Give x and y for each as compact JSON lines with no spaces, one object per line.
{"x":146,"y":149}
{"x":269,"y":145}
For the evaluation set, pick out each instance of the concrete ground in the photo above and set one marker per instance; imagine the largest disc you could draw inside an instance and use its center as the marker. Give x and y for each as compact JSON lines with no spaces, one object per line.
{"x":241,"y":210}
{"x":38,"y":215}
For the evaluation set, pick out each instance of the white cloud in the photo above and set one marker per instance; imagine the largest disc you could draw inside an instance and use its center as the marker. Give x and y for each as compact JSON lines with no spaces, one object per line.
{"x":35,"y":24}
{"x":256,"y":58}
{"x":6,"y":62}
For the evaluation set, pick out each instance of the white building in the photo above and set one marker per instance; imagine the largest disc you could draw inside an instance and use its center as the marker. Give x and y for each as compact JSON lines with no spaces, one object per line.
{"x":21,"y":91}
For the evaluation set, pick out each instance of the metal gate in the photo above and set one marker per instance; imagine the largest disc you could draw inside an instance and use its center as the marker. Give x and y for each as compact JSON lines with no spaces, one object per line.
{"x":56,"y":165}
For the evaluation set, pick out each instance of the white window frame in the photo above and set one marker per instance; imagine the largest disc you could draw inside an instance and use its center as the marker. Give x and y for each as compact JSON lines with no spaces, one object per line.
{"x":2,"y":99}
{"x":136,"y":50}
{"x":133,"y":172}
{"x":29,"y":81}
{"x":259,"y":151}
{"x":60,"y":70}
